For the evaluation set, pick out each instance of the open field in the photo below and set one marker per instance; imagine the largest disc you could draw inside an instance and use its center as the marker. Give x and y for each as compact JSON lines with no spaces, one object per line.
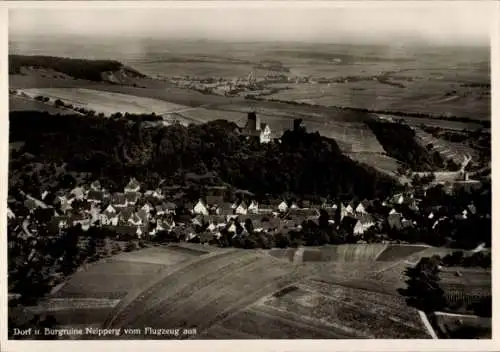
{"x":110,"y":280}
{"x":356,"y":312}
{"x":117,"y":276}
{"x":219,"y":283}
{"x":314,"y":292}
{"x":380,"y":96}
{"x":106,"y":102}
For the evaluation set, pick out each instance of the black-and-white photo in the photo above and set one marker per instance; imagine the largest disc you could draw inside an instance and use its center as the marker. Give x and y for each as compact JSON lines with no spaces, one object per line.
{"x":250,"y":171}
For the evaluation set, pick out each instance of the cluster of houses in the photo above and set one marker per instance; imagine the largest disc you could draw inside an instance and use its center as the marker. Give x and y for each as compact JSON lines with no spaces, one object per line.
{"x":145,"y":214}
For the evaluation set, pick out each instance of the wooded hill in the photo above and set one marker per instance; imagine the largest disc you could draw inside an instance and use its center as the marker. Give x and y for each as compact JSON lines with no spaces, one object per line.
{"x":113,"y":150}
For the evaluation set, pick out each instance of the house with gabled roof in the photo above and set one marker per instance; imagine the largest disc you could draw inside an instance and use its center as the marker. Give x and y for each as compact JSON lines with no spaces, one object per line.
{"x":362,"y":207}
{"x":283,"y":207}
{"x":133,"y":186}
{"x":231,"y":227}
{"x":343,"y":212}
{"x":364,"y":223}
{"x":241,"y":209}
{"x":253,"y":207}
{"x":109,"y":216}
{"x":394,"y":221}
{"x":350,"y":208}
{"x":10,"y":214}
{"x":200,"y":208}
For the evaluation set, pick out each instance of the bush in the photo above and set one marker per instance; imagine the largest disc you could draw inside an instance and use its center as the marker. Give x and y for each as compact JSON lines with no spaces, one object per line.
{"x":130,"y":246}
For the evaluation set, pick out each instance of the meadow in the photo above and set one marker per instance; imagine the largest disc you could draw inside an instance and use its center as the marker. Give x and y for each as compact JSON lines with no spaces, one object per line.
{"x":380,"y":96}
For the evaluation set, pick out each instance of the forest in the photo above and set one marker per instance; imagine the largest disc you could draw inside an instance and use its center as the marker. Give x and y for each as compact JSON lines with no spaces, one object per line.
{"x":112,"y":150}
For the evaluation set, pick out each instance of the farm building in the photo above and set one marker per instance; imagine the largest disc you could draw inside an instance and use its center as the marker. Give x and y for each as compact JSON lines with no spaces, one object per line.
{"x":200,"y":208}
{"x":133,"y":186}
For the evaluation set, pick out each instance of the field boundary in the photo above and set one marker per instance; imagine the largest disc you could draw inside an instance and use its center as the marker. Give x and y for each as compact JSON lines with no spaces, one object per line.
{"x":427,"y":325}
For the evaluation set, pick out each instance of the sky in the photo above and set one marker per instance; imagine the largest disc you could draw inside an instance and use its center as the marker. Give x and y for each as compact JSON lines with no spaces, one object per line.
{"x":448,"y":22}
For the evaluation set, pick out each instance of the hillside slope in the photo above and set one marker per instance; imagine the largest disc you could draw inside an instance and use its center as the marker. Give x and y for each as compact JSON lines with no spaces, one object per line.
{"x":91,"y":70}
{"x":399,"y":142}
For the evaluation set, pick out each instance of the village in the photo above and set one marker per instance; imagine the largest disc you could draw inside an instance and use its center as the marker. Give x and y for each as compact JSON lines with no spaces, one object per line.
{"x":145,"y":214}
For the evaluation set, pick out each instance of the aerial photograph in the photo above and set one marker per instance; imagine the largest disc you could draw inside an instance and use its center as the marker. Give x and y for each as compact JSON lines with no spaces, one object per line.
{"x":252,"y":171}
